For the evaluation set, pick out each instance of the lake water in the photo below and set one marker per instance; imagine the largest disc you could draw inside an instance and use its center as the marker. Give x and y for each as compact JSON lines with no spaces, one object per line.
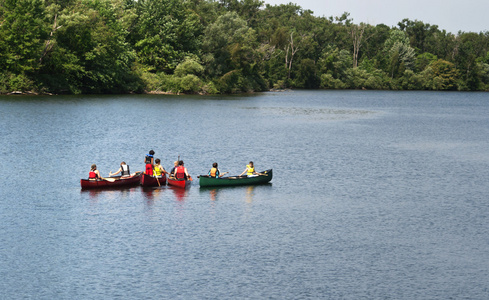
{"x":375,"y":195}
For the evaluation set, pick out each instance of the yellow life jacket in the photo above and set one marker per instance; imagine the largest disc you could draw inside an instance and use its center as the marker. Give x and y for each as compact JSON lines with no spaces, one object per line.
{"x":250,"y":171}
{"x":157,"y":171}
{"x":213,"y":172}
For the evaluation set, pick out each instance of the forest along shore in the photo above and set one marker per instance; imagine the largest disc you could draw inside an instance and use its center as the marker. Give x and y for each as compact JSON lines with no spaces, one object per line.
{"x":224,"y":47}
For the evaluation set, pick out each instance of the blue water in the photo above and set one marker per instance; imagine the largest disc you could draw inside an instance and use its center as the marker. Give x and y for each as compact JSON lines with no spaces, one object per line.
{"x":375,"y":195}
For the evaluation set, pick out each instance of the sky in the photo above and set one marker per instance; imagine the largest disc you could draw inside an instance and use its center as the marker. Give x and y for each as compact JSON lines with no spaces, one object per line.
{"x":451,"y":15}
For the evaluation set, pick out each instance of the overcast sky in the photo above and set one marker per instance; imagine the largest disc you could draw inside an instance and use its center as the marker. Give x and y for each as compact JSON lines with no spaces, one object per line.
{"x":451,"y":15}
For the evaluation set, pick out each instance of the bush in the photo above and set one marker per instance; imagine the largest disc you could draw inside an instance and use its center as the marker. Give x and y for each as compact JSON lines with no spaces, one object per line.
{"x":228,"y":83}
{"x":412,"y":81}
{"x":10,"y":82}
{"x":189,"y":67}
{"x":189,"y":84}
{"x":151,"y":81}
{"x":329,"y":82}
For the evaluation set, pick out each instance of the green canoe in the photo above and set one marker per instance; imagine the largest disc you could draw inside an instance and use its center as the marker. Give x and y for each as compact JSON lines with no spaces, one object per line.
{"x":206,"y":181}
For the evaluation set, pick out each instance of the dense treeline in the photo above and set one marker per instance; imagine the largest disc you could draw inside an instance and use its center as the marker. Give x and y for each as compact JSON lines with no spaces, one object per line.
{"x":225,"y":46}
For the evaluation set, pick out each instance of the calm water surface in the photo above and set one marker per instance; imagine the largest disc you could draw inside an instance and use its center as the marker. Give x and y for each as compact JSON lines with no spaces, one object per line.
{"x":375,"y":195}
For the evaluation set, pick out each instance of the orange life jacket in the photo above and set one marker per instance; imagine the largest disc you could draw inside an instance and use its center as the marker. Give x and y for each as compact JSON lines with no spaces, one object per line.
{"x":214,"y":172}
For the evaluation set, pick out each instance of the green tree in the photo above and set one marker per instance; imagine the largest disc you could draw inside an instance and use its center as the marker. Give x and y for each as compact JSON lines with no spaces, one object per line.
{"x":440,"y":75}
{"x":446,"y":72}
{"x":411,"y":81}
{"x":401,"y":54}
{"x":306,"y":75}
{"x":90,"y":53}
{"x":165,"y":32}
{"x":424,"y":60}
{"x":190,"y":66}
{"x":23,"y":29}
{"x":469,"y":47}
{"x":230,"y":54}
{"x":359,"y":34}
{"x":335,"y":62}
{"x":417,"y":32}
{"x":248,"y":10}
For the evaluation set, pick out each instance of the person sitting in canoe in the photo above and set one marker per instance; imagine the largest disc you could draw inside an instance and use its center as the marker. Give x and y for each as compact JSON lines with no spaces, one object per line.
{"x":158,"y":169}
{"x":149,"y":161}
{"x":94,"y":174}
{"x":215,"y":172}
{"x":175,"y":165}
{"x":250,"y":170}
{"x":181,"y":172}
{"x":123,"y":170}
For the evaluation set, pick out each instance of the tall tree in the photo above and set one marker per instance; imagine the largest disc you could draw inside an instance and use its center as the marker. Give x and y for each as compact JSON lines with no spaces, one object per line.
{"x":230,"y":54}
{"x":90,"y":53}
{"x":165,"y":32}
{"x":23,"y":30}
{"x":401,"y":54}
{"x":358,"y":37}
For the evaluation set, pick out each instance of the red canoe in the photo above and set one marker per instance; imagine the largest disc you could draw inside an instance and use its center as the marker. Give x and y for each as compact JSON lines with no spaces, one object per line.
{"x":181,"y":183}
{"x":112,"y":182}
{"x":148,"y":180}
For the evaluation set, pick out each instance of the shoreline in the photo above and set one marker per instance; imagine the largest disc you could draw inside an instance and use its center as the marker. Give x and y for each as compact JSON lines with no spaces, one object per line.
{"x":32,"y":93}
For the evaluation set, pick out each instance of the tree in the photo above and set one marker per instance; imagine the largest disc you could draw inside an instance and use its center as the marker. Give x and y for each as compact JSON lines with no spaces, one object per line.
{"x":229,"y":33}
{"x":357,"y":36}
{"x":306,"y":76}
{"x":290,"y":49}
{"x":248,"y":10}
{"x":90,"y":54}
{"x":446,"y":72}
{"x":469,"y":47}
{"x":417,"y":32}
{"x":336,"y":63}
{"x":230,"y":54}
{"x":440,"y":75}
{"x":23,"y":30}
{"x":165,"y":32}
{"x":424,"y":60}
{"x":401,"y":54}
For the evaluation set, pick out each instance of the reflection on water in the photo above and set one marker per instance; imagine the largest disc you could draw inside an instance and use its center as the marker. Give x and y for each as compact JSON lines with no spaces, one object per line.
{"x":179,"y":193}
{"x":151,"y":194}
{"x":213,"y":194}
{"x":249,"y":193}
{"x":111,"y":194}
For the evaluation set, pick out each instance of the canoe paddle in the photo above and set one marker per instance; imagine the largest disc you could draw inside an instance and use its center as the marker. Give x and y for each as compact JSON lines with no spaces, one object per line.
{"x":157,"y":180}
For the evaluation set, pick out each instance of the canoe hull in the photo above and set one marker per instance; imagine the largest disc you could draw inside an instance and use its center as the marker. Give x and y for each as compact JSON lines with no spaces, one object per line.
{"x":114,"y":182}
{"x":179,"y":183}
{"x":150,"y":181}
{"x":206,"y":181}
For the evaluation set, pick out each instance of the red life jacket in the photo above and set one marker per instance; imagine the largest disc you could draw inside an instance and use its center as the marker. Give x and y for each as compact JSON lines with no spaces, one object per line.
{"x":149,"y":169}
{"x":180,"y":172}
{"x":92,"y":175}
